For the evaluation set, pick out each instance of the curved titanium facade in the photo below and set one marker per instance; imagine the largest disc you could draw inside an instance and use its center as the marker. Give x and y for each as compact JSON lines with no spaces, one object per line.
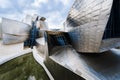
{"x":0,"y":30}
{"x":14,"y":31}
{"x":86,"y":24}
{"x":56,"y":40}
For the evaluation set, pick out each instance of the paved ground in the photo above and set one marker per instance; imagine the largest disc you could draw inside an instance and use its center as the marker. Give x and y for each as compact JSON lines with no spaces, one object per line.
{"x":8,"y":52}
{"x":103,"y":66}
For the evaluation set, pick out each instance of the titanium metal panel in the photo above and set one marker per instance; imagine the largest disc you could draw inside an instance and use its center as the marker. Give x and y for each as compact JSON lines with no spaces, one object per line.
{"x":12,"y":39}
{"x":55,"y":40}
{"x":14,"y":31}
{"x":14,"y":27}
{"x":103,"y":66}
{"x":86,"y":22}
{"x":0,"y":30}
{"x":109,"y":43}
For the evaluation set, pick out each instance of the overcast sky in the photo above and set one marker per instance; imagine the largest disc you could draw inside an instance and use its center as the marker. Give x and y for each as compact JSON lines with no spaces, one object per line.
{"x":55,"y":11}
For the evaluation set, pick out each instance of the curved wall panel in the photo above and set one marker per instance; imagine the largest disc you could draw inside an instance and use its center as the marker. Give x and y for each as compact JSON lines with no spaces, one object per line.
{"x":14,"y":31}
{"x":0,"y":30}
{"x":86,"y":23}
{"x":14,"y":27}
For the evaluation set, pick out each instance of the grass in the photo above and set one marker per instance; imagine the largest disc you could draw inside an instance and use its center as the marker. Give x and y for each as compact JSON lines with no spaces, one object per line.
{"x":21,"y":68}
{"x":59,"y":72}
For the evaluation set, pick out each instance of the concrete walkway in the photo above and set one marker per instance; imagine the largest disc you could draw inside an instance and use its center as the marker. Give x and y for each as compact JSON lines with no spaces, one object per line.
{"x":8,"y":52}
{"x":40,"y":60}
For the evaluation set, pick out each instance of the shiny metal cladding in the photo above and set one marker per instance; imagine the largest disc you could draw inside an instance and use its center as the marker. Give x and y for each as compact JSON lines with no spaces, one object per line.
{"x":14,"y":31}
{"x":86,"y":24}
{"x":0,"y":30}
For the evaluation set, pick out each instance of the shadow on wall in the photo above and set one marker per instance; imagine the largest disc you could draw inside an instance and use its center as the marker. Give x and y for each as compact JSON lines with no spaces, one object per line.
{"x":59,"y":72}
{"x":113,"y":26}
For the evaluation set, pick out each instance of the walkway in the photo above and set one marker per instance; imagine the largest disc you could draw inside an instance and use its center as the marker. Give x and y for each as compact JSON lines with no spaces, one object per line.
{"x":8,"y":52}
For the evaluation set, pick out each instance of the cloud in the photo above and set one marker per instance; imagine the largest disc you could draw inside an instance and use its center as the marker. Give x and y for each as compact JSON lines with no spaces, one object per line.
{"x":14,"y":16}
{"x":57,"y":17}
{"x":54,"y":19}
{"x":37,"y":3}
{"x":55,"y":11}
{"x":5,"y":4}
{"x":65,"y":2}
{"x":30,"y":11}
